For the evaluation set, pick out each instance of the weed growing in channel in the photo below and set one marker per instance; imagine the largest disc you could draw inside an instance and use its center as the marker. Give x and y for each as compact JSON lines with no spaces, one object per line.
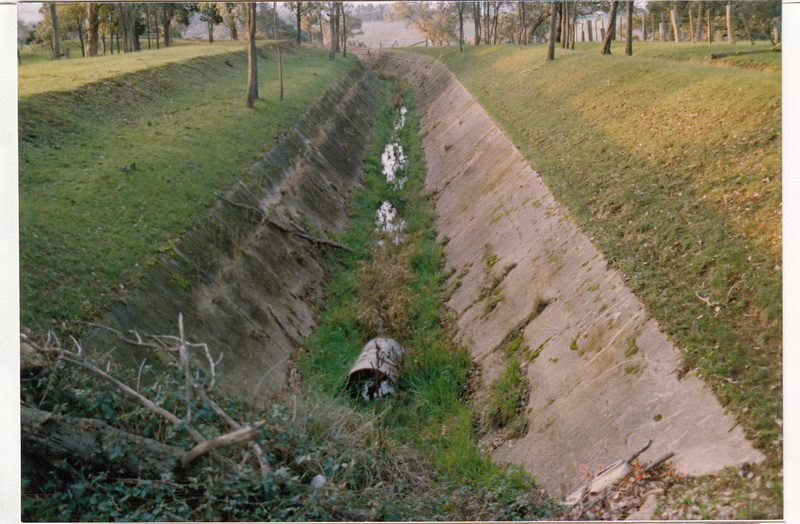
{"x":429,"y":416}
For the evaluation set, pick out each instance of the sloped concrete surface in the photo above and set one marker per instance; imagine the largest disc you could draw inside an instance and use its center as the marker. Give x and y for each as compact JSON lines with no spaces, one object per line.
{"x":606,"y":379}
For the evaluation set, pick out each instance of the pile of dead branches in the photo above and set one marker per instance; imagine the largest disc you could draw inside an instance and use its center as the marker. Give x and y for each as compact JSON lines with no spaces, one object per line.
{"x":635,"y":495}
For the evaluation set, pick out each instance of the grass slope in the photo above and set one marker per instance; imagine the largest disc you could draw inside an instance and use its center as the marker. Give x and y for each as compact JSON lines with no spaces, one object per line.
{"x":673,"y":167}
{"x":112,"y":171}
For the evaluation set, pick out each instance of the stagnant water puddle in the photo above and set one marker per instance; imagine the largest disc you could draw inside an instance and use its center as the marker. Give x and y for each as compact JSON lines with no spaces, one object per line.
{"x":394,"y":162}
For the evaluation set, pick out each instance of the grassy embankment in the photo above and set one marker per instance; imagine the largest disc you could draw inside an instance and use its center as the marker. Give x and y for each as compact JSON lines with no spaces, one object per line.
{"x":115,"y":167}
{"x":673,"y":167}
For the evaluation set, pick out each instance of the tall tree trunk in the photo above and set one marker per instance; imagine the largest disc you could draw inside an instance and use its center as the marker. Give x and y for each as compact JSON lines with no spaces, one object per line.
{"x":698,"y":34}
{"x":564,"y":25}
{"x":334,"y":36}
{"x":629,"y":30}
{"x":710,"y":26}
{"x":344,"y":31}
{"x":155,"y":24}
{"x":460,"y":8}
{"x":676,"y":30}
{"x":167,"y":20}
{"x":691,"y":26}
{"x":747,"y":29}
{"x":731,"y":28}
{"x":589,"y":30}
{"x":612,"y":19}
{"x":572,"y":32}
{"x":644,"y":26}
{"x":476,"y":18}
{"x":252,"y":56}
{"x":551,"y":35}
{"x":55,"y":40}
{"x":210,"y":31}
{"x":277,"y":45}
{"x":299,"y":19}
{"x":104,"y":44}
{"x":661,"y":28}
{"x":92,"y":29}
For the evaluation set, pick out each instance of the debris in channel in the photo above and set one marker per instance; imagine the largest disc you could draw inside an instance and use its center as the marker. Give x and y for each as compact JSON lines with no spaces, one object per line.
{"x":375,"y":371}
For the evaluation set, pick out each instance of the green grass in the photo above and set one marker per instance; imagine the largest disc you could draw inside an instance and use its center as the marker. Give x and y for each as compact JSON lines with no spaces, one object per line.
{"x":673,"y":167}
{"x":39,"y":73}
{"x":90,"y":220}
{"x":430,"y":412}
{"x":507,"y":394}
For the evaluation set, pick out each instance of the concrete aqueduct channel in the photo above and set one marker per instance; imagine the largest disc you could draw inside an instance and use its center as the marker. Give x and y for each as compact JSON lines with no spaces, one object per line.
{"x":607,"y":379}
{"x":248,"y":281}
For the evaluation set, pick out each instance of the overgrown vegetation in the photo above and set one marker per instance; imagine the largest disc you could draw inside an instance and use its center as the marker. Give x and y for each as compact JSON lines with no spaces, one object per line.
{"x":674,"y":169}
{"x":113,"y":171}
{"x":430,"y":412}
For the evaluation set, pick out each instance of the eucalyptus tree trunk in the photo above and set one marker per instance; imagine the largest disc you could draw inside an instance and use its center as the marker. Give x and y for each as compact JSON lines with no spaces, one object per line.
{"x":476,"y":17}
{"x":252,"y":56}
{"x":55,"y":41}
{"x":710,"y":26}
{"x":574,"y":27}
{"x":92,"y":29}
{"x":629,"y":30}
{"x":698,"y":34}
{"x":676,"y":30}
{"x":277,"y":45}
{"x":729,"y":17}
{"x":551,"y":35}
{"x":612,"y":21}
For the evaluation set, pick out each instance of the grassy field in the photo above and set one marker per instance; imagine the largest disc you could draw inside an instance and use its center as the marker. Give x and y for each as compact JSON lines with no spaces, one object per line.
{"x":38,"y":73}
{"x":112,"y":171}
{"x":673,"y":167}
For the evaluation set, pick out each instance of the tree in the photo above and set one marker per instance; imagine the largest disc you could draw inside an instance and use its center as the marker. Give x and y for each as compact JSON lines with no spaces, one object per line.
{"x":461,"y":7}
{"x":551,"y":39}
{"x":231,"y":13}
{"x":300,"y":10}
{"x":93,"y":27}
{"x":179,"y":13}
{"x":629,"y":30}
{"x":209,"y":13}
{"x":252,"y":56}
{"x":731,"y":23}
{"x":54,"y":29}
{"x":277,"y":44}
{"x":612,"y":21}
{"x":74,"y":16}
{"x":435,"y":21}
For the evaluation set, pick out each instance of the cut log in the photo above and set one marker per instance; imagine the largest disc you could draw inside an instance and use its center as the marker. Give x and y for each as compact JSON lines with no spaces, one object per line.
{"x":94,"y":442}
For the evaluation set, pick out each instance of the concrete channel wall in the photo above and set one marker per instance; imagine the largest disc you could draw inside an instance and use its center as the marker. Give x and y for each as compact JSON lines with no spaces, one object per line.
{"x":246,"y":277}
{"x":606,"y":379}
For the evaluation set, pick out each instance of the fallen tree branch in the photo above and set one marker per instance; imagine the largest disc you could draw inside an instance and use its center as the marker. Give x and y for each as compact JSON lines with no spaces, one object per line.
{"x":90,"y":441}
{"x":660,"y":461}
{"x":262,"y":460}
{"x":310,"y":238}
{"x":229,"y":439}
{"x":255,"y":210}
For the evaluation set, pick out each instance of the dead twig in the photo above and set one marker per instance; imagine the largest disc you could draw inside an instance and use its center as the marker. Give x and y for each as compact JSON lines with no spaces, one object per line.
{"x":255,"y":210}
{"x":229,"y":439}
{"x":707,"y":301}
{"x":310,"y":238}
{"x":262,"y":460}
{"x":185,"y":365}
